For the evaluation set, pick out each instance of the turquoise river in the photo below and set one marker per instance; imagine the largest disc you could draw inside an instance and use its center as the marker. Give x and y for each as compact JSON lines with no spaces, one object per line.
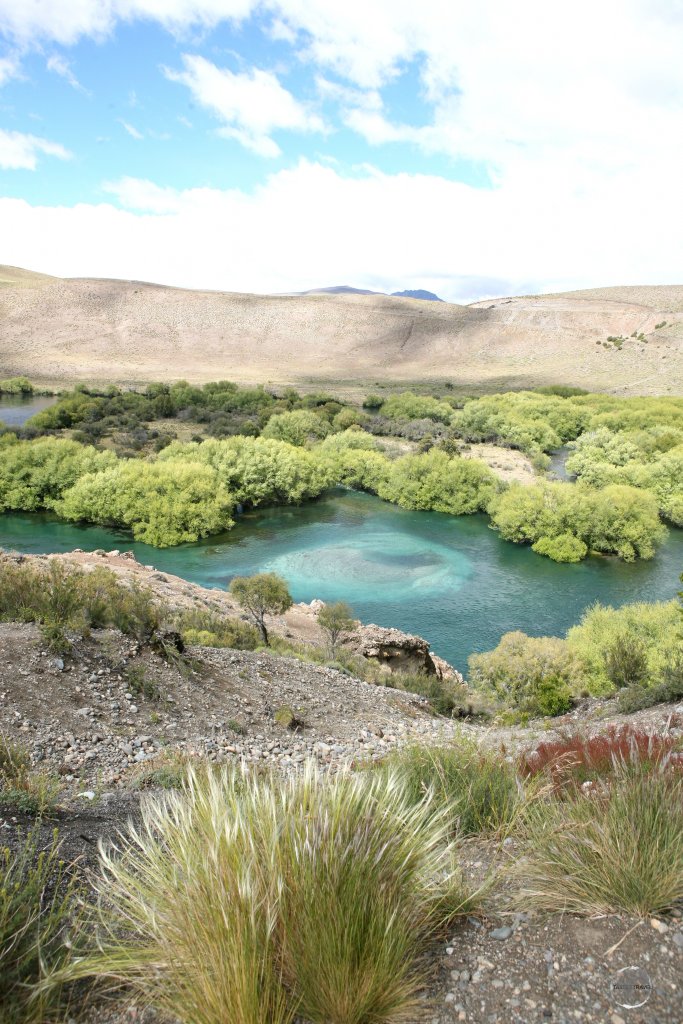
{"x":452,"y":580}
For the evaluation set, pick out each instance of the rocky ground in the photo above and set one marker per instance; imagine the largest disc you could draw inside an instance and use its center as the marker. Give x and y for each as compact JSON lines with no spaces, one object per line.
{"x":109,"y":715}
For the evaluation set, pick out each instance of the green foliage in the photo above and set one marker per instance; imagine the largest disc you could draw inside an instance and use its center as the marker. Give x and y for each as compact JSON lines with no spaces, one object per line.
{"x":261,"y":595}
{"x":668,"y":691}
{"x":35,"y":474}
{"x":162,"y":503}
{"x":482,"y":791}
{"x":645,"y":632}
{"x":619,"y":850}
{"x":297,"y":427}
{"x":334,"y":620}
{"x":42,"y":924}
{"x":62,"y":597}
{"x":256,"y":471}
{"x":626,"y":662}
{"x":416,"y":407}
{"x":16,"y":386}
{"x":563,"y":548}
{"x":534,"y":675}
{"x":523,"y":419}
{"x":141,"y":684}
{"x":435,"y":482}
{"x":259,"y":900}
{"x":209,"y":629}
{"x":373,"y":402}
{"x":557,"y":518}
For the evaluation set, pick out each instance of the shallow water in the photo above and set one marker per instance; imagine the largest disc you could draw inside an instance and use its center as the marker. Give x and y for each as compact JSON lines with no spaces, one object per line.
{"x":16,"y":409}
{"x":451,"y":580}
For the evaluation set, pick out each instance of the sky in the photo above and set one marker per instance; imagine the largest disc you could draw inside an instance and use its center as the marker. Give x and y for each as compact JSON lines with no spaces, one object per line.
{"x":472,"y":149}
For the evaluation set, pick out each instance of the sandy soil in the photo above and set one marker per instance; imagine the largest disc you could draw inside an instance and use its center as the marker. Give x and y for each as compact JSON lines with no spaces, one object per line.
{"x":125,"y":331}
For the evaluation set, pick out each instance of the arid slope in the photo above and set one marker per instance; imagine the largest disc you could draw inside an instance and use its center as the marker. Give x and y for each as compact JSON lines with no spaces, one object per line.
{"x":67,"y":330}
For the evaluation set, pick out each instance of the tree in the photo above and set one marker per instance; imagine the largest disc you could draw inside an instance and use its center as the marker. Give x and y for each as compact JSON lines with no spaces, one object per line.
{"x":335,"y":619}
{"x":261,"y":595}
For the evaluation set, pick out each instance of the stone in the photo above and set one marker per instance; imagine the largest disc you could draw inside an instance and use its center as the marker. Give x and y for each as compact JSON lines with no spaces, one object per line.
{"x":501,"y":933}
{"x":659,"y":926}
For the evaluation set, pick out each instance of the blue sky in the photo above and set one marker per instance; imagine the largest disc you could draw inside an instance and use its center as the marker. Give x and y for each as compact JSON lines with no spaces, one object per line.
{"x":270,"y":145}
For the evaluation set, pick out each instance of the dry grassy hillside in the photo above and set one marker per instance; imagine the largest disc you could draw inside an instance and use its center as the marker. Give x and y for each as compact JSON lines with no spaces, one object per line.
{"x":58,"y":330}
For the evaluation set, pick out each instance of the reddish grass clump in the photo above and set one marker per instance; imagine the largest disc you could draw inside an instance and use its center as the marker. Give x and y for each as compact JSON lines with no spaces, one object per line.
{"x":576,"y":757}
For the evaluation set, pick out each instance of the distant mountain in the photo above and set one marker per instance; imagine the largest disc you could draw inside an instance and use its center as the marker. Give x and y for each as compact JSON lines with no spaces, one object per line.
{"x":339,"y":289}
{"x":417,"y":293}
{"x":345,"y":289}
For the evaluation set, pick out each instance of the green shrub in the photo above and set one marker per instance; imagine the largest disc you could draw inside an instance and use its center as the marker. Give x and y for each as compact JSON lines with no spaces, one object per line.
{"x":258,"y":900}
{"x":297,"y":427}
{"x":616,"y":520}
{"x":264,"y":594}
{"x":209,"y":629}
{"x":162,"y":503}
{"x":433,"y":481}
{"x":480,"y":789}
{"x":618,"y":850}
{"x":563,"y":548}
{"x":626,"y":662}
{"x":655,"y":629}
{"x":668,"y":690}
{"x":533,"y":675}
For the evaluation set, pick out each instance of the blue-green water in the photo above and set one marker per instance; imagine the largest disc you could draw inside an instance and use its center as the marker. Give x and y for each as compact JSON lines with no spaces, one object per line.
{"x":452,"y":580}
{"x":16,"y":409}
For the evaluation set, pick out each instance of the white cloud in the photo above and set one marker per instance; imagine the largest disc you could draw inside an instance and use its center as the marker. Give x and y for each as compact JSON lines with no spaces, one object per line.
{"x":312,"y":226}
{"x":250,"y":105}
{"x":131,"y":129}
{"x":66,"y":21}
{"x":9,"y":68}
{"x":21,"y":152}
{"x":62,"y":67}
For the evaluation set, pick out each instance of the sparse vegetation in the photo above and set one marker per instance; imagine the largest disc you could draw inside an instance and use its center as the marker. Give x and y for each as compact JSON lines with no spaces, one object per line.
{"x":335,"y":619}
{"x":24,"y":789}
{"x":42,"y":921}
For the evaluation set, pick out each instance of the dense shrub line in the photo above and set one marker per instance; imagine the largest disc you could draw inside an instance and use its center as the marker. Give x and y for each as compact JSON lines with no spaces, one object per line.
{"x":635,"y":651}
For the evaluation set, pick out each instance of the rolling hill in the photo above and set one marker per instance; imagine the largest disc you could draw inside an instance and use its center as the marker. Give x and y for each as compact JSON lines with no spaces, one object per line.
{"x":66,"y":330}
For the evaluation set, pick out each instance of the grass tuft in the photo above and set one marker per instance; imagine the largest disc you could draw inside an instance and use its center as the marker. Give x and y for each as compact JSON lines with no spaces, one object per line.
{"x":481,"y":790}
{"x":255,"y":900}
{"x":617,"y":848}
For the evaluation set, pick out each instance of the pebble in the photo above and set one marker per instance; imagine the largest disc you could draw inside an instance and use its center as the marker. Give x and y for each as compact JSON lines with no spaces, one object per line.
{"x":501,"y":933}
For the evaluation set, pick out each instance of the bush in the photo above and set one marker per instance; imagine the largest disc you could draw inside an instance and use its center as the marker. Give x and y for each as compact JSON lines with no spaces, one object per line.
{"x":652,"y":629}
{"x":296,"y":427}
{"x":433,"y":481}
{"x":626,"y":662}
{"x":617,"y":850}
{"x":162,"y":503}
{"x":209,"y":629}
{"x":261,"y":595}
{"x":255,"y":900}
{"x":41,"y":926}
{"x":565,"y":519}
{"x":481,"y":790}
{"x":62,"y":597}
{"x":563,"y":548}
{"x":534,"y":675}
